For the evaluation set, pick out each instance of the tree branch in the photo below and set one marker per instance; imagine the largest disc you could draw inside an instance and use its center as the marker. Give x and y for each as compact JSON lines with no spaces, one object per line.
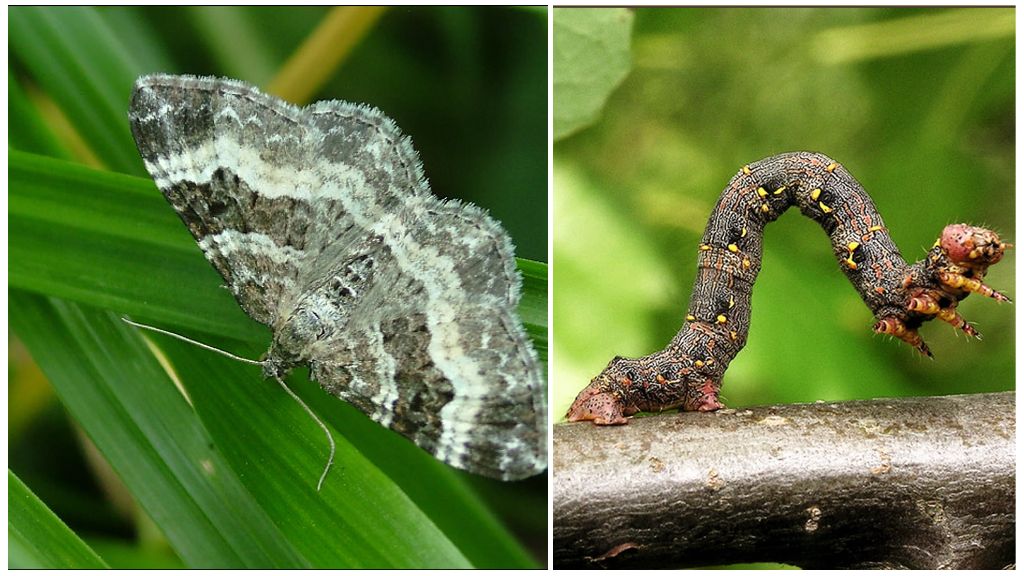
{"x":909,"y":482}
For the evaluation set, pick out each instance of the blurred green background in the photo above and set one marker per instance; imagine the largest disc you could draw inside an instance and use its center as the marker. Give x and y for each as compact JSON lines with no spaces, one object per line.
{"x":469,"y":85}
{"x":917,"y":103}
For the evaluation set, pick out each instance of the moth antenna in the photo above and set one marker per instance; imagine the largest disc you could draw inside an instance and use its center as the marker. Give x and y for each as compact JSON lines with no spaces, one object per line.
{"x":191,"y":341}
{"x":330,"y":439}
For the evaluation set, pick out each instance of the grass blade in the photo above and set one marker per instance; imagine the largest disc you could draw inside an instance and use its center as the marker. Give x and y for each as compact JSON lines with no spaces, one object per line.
{"x":36,"y":537}
{"x":75,"y":55}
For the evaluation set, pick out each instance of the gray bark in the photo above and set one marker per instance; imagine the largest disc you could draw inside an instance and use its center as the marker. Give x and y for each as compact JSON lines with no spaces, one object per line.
{"x":892,"y":483}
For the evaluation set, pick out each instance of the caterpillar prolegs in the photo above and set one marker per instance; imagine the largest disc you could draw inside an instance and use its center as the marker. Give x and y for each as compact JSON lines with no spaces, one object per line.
{"x":687,"y":374}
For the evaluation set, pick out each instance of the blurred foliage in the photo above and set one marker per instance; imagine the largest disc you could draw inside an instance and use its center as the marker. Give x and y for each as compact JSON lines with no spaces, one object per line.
{"x":468,"y":85}
{"x":917,"y":103}
{"x":591,"y":57}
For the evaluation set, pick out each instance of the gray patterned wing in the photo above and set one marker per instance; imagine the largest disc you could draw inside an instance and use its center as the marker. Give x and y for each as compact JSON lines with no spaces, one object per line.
{"x":323,"y":226}
{"x":243,"y":171}
{"x":204,"y":142}
{"x":419,"y":323}
{"x":433,"y":347}
{"x":491,"y":422}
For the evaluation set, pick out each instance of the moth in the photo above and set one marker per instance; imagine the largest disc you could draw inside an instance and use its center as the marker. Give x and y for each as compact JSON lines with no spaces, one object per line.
{"x":324,"y":228}
{"x":687,"y":374}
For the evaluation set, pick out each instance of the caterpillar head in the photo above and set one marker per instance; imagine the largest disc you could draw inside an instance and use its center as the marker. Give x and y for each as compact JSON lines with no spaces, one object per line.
{"x":971,"y":246}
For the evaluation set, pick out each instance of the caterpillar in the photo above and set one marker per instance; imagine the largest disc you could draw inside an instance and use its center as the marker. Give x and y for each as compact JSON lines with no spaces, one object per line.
{"x":687,"y":374}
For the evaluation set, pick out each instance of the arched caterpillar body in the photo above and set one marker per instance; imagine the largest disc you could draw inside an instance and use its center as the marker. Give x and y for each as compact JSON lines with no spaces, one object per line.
{"x":687,"y":374}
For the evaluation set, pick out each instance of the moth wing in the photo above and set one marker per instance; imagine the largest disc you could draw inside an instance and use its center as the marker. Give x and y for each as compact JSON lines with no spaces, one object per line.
{"x":488,"y":418}
{"x":274,"y":194}
{"x":429,"y":342}
{"x":328,"y":206}
{"x":204,"y":141}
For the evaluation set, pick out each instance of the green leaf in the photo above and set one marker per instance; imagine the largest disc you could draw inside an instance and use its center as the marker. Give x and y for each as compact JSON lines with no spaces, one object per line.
{"x":113,"y":386}
{"x":109,"y":240}
{"x":36,"y":538}
{"x":591,"y":58}
{"x":126,"y":554}
{"x":26,"y":130}
{"x":76,"y":55}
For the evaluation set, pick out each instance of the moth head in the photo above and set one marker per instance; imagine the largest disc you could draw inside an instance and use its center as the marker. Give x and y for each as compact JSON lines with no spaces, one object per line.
{"x":971,"y":246}
{"x":274,"y":367}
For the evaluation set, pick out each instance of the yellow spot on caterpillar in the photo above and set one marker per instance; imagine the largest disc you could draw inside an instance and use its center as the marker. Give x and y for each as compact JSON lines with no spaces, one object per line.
{"x":974,"y":254}
{"x":733,"y":248}
{"x":746,"y":263}
{"x":824,"y":208}
{"x":661,"y":379}
{"x":815,"y":193}
{"x":705,"y":247}
{"x":851,"y":246}
{"x":746,"y":170}
{"x":721,"y":318}
{"x":743,"y":234}
{"x":875,"y":229}
{"x":936,"y":244}
{"x":761,"y":191}
{"x":831,"y":167}
{"x":731,"y":302}
{"x":764,"y":207}
{"x":691,"y":317}
{"x":779,"y":190}
{"x":699,"y":363}
{"x":733,"y":335}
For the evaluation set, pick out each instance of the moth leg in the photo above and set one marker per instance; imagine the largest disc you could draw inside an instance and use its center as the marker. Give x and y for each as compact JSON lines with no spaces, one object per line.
{"x":601,"y":407}
{"x":928,"y":302}
{"x":961,"y":282}
{"x":895,"y":327}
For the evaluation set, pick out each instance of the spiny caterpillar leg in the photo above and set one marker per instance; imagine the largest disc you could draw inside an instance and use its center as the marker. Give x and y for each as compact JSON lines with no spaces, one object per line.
{"x":929,"y":303}
{"x":961,"y":282}
{"x":895,"y":327}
